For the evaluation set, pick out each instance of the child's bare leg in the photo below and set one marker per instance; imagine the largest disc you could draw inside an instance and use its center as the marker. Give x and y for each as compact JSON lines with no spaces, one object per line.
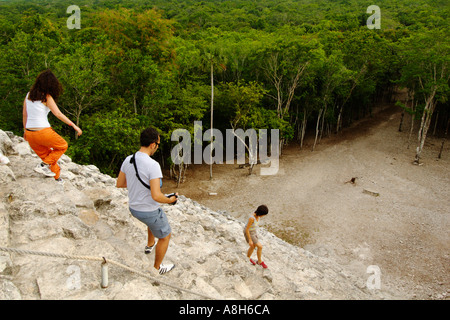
{"x":259,"y":251}
{"x":250,"y":251}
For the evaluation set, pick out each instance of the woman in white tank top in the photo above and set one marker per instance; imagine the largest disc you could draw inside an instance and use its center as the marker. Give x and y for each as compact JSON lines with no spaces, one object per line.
{"x":47,"y":144}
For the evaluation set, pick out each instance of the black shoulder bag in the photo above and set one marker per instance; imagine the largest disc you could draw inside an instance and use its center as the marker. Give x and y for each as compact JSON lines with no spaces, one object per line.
{"x":133,"y":161}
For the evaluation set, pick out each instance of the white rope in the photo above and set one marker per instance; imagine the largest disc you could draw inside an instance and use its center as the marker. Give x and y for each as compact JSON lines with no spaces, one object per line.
{"x":102,"y":259}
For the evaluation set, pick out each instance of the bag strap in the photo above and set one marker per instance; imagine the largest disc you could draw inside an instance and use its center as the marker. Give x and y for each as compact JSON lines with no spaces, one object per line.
{"x":133,"y":161}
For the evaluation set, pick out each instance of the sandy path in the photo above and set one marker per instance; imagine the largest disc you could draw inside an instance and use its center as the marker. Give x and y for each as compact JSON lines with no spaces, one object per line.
{"x":403,"y":231}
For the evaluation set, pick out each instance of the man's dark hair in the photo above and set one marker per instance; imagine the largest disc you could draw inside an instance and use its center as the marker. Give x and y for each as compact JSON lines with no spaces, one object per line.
{"x":262,"y":210}
{"x":149,"y":136}
{"x":46,"y":83}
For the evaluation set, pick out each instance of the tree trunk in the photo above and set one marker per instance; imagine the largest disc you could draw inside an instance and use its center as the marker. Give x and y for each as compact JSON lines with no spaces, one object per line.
{"x":323,"y":122}
{"x":443,"y":140}
{"x":355,"y":82}
{"x":282,"y":141}
{"x":425,"y":124}
{"x":212,"y":111}
{"x":413,"y":117}
{"x":293,"y":86}
{"x":435,"y":123}
{"x":181,"y":173}
{"x":302,"y":136}
{"x":339,"y":120}
{"x":401,"y":121}
{"x":252,"y":157}
{"x":317,"y":128}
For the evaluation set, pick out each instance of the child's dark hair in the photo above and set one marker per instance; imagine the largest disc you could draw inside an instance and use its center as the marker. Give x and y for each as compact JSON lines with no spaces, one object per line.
{"x":149,"y":136}
{"x":262,"y":210}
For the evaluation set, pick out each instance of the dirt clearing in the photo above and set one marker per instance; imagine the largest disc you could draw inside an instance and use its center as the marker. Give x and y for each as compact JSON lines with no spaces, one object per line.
{"x":395,"y":215}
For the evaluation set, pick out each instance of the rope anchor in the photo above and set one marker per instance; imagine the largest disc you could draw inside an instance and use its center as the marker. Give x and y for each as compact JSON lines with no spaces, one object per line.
{"x":104,"y":282}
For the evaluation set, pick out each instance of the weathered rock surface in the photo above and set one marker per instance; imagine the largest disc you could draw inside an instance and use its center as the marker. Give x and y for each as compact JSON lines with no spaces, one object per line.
{"x":89,"y":216}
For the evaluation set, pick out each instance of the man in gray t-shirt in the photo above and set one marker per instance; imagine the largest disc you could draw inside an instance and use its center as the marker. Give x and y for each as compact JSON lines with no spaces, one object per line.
{"x":139,"y":196}
{"x":144,"y":203}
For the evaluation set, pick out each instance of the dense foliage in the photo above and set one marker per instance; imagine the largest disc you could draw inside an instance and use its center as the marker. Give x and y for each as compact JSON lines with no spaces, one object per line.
{"x":293,"y":65}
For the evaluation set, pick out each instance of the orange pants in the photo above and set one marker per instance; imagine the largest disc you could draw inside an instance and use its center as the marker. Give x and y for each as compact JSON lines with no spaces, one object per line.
{"x":49,"y":146}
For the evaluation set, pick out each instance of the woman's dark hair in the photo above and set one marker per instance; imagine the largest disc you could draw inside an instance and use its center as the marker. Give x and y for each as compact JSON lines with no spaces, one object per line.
{"x":149,"y":136}
{"x":46,"y":83}
{"x":262,"y":210}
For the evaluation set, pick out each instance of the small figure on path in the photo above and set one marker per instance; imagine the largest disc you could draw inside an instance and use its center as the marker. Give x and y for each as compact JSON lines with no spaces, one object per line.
{"x":251,"y":235}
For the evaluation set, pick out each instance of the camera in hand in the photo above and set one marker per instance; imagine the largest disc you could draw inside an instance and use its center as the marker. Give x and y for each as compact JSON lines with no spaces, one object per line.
{"x":170,"y":195}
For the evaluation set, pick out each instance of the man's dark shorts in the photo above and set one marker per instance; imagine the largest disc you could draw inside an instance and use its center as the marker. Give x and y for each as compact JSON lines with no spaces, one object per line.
{"x":156,"y":220}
